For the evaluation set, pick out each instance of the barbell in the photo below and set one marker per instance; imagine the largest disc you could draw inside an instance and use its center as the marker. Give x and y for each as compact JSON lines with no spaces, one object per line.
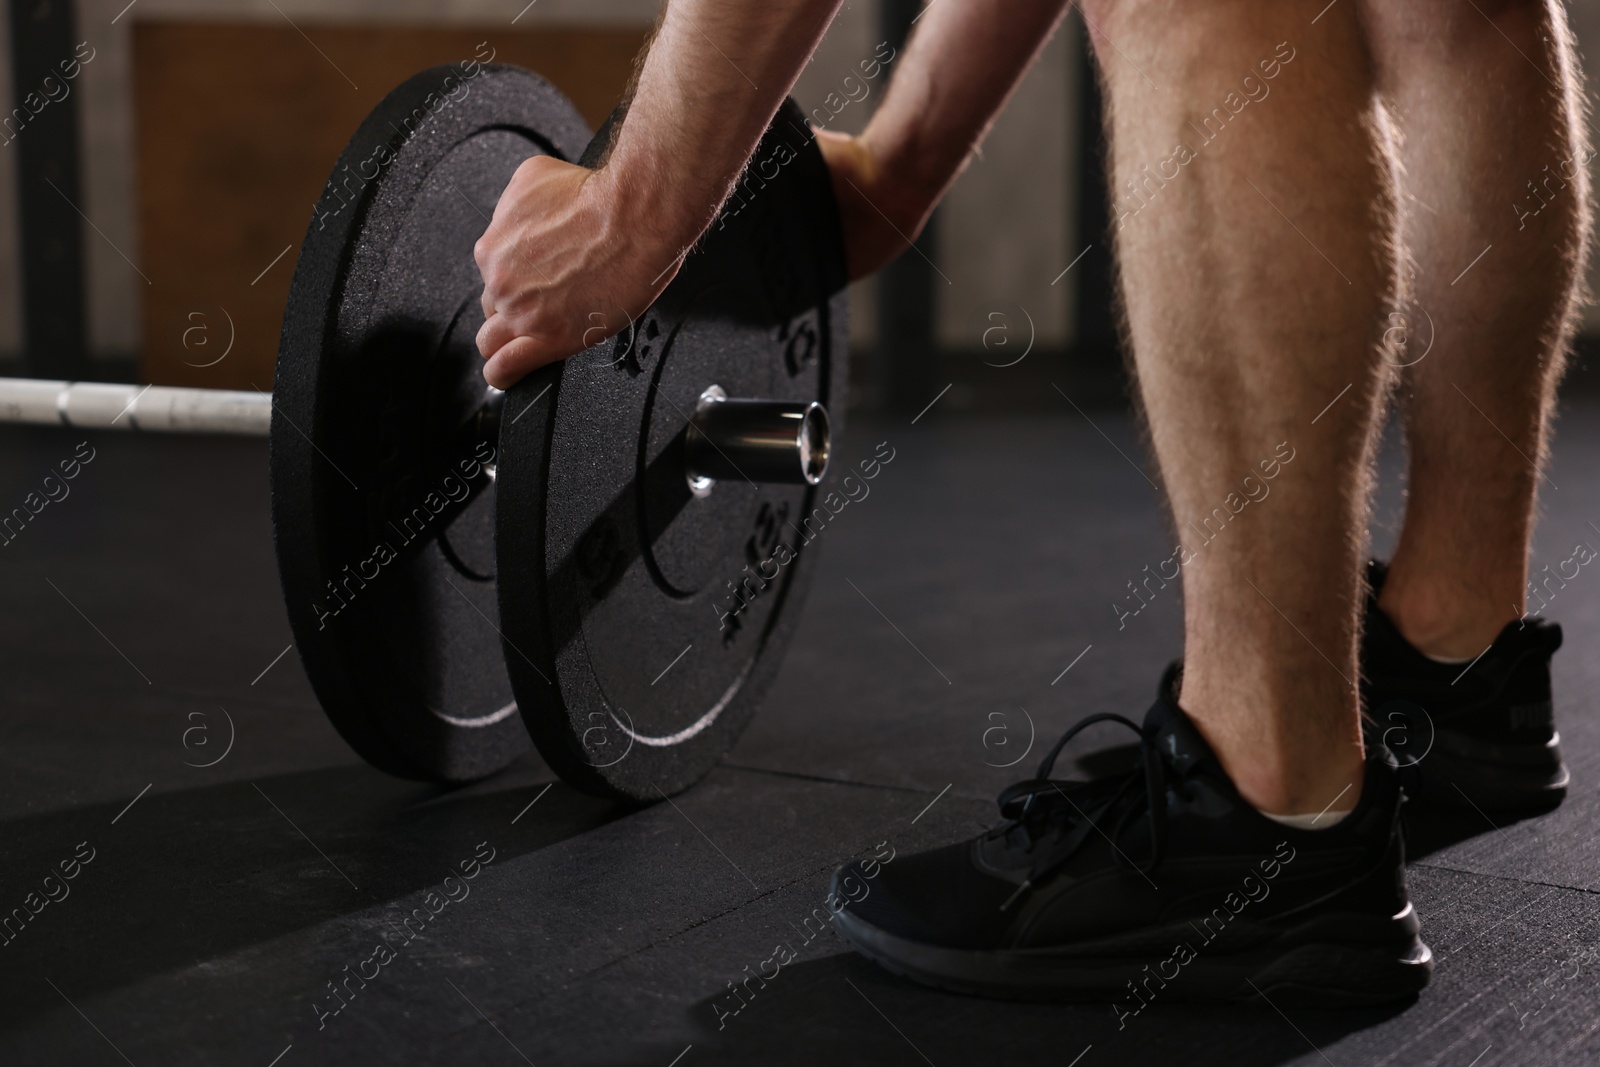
{"x":764,"y":440}
{"x":464,"y":569}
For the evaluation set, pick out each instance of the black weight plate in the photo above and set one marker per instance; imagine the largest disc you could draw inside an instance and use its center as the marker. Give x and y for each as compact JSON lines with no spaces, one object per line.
{"x":383,"y":497}
{"x":614,"y":578}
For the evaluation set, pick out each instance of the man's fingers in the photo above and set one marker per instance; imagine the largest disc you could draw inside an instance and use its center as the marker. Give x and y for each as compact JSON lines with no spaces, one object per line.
{"x":513,"y":361}
{"x":494,"y":334}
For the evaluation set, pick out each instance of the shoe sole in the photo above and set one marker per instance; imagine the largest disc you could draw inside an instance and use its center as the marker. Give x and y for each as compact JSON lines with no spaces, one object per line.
{"x":1386,"y":962}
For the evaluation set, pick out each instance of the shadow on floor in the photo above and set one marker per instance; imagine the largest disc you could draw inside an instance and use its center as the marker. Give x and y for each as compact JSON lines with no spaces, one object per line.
{"x":843,"y":1009}
{"x":198,"y":874}
{"x":1431,"y":829}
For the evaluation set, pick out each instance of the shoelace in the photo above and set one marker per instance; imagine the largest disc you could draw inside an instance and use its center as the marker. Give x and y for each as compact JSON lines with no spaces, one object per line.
{"x":1039,"y":807}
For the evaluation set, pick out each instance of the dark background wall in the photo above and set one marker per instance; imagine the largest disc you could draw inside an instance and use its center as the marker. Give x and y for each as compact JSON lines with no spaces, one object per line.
{"x":987,"y":315}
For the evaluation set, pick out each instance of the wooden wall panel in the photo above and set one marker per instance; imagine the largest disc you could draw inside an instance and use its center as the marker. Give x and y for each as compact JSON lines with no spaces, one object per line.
{"x":238,"y":125}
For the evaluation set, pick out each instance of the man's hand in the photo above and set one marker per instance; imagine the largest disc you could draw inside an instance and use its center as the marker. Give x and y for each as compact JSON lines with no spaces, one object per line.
{"x":880,"y":216}
{"x":956,"y":73}
{"x":565,"y":265}
{"x":573,"y":256}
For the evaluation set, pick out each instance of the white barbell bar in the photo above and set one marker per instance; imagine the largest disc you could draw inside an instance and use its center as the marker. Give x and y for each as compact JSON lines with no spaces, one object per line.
{"x":138,"y":408}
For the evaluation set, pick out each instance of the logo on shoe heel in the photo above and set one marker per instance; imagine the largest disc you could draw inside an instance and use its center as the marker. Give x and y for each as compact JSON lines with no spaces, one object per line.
{"x":1531,"y":717}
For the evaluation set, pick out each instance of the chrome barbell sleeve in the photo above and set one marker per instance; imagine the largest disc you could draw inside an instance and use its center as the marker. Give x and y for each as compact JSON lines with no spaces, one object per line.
{"x":739,"y":439}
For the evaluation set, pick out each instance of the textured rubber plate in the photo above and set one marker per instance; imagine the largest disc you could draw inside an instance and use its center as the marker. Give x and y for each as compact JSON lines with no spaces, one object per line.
{"x":642,"y":623}
{"x":383,"y":496}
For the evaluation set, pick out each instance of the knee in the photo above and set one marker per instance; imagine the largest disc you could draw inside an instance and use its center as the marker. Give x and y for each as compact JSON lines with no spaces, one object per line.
{"x":1106,"y":21}
{"x":1101,"y":17}
{"x":1179,"y":31}
{"x":1096,"y":12}
{"x":1445,"y":23}
{"x":1130,"y":23}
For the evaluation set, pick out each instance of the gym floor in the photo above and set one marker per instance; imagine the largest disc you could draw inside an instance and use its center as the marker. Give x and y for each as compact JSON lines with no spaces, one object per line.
{"x":213,"y":905}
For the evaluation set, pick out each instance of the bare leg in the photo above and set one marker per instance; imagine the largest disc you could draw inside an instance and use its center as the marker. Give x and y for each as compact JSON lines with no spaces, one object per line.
{"x":1256,"y":275}
{"x":1488,"y":101}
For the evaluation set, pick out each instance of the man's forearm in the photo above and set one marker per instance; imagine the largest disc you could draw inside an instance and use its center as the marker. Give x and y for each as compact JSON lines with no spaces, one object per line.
{"x":961,"y":67}
{"x":713,"y":78}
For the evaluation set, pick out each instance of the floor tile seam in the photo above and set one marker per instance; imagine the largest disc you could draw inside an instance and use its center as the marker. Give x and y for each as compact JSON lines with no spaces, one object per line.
{"x":1503,"y":877}
{"x":825,"y":779}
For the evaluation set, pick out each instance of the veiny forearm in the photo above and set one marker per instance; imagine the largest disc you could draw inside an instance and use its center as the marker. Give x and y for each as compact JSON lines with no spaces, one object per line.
{"x":961,"y":66}
{"x":713,"y":78}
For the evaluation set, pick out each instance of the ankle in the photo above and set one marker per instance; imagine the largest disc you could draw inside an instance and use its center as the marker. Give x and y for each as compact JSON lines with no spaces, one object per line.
{"x":1445,"y":621}
{"x":1282,"y":765}
{"x":1326,"y":786}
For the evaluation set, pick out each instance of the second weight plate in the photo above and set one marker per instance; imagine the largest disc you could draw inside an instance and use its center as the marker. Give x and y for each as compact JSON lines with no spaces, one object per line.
{"x":643,"y":623}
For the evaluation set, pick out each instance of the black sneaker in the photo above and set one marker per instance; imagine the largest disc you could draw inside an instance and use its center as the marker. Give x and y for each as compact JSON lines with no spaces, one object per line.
{"x":1157,"y":884}
{"x":1466,"y":735}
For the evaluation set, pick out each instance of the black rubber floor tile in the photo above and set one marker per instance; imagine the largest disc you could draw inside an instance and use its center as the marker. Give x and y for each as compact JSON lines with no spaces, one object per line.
{"x":963,"y":616}
{"x":321,"y":868}
{"x":1516,"y":977}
